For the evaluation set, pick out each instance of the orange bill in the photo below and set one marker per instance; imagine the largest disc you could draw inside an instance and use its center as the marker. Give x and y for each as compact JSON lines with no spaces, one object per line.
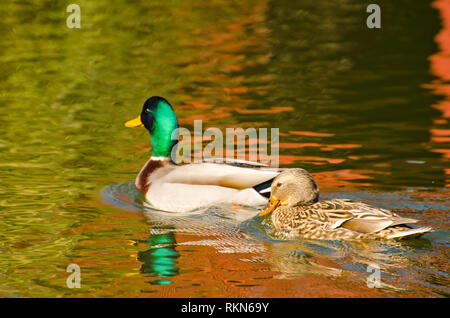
{"x":271,"y":206}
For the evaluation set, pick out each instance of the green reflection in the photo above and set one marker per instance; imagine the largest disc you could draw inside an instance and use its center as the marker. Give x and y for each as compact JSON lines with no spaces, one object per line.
{"x":161,"y":259}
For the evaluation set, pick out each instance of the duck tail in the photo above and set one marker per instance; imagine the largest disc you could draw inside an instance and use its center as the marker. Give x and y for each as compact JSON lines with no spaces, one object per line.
{"x":264,"y":188}
{"x":410,"y":233}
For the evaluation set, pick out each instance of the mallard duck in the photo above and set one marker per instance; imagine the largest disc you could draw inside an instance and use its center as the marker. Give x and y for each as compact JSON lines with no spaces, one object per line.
{"x":296,"y":211}
{"x":183,"y":188}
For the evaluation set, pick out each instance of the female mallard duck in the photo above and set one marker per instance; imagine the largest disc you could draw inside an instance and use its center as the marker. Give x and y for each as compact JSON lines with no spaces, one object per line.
{"x":183,"y":188}
{"x":296,"y":211}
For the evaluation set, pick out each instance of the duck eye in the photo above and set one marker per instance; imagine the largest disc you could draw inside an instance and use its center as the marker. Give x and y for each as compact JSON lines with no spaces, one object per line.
{"x":279,"y":184}
{"x":147,"y":111}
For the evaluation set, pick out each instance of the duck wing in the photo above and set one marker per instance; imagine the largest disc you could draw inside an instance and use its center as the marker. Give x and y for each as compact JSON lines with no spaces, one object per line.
{"x":358,"y":216}
{"x":262,"y":188}
{"x":236,"y":162}
{"x":225,"y":175}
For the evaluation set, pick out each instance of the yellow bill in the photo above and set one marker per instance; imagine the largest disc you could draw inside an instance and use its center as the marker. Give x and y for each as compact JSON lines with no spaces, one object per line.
{"x":134,"y":122}
{"x":271,"y":206}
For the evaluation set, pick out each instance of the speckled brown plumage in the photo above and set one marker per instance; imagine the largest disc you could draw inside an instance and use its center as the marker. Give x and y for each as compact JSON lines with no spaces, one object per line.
{"x":296,"y":212}
{"x":320,"y":220}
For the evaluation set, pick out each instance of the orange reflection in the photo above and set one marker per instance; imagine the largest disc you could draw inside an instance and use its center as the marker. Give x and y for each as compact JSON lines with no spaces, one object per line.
{"x":310,"y":133}
{"x":444,"y":152}
{"x":440,"y":62}
{"x":440,"y":135}
{"x":203,"y":116}
{"x":294,"y":145}
{"x":330,"y":180}
{"x":289,"y":159}
{"x":223,"y":52}
{"x":247,"y":274}
{"x":272,"y":110}
{"x":440,"y":67}
{"x":195,"y":104}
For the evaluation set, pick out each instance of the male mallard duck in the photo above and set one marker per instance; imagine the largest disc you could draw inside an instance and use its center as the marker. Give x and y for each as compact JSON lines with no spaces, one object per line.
{"x":296,"y":211}
{"x":182,"y":188}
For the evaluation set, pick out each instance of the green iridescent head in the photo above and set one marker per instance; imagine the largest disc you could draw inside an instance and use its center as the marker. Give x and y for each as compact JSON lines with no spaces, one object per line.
{"x":160,"y":120}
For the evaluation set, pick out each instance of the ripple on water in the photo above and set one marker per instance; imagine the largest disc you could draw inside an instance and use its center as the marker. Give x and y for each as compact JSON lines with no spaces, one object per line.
{"x":225,"y":230}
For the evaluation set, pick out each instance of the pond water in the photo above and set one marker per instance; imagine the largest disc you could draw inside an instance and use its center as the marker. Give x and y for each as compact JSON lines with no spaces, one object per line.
{"x":366,"y":111}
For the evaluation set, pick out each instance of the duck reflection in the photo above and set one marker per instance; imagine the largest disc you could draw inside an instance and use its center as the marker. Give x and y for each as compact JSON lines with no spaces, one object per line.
{"x":161,"y":259}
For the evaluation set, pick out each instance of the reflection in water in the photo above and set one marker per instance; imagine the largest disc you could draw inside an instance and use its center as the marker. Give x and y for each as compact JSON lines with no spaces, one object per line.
{"x":366,"y":111}
{"x":160,"y":259}
{"x":440,"y":67}
{"x":351,"y":260}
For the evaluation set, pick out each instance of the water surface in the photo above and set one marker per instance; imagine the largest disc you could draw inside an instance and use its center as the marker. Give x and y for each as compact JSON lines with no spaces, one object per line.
{"x":366,"y":111}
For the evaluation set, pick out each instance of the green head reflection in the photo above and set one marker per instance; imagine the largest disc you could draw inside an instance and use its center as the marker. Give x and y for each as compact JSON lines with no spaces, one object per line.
{"x":161,"y":259}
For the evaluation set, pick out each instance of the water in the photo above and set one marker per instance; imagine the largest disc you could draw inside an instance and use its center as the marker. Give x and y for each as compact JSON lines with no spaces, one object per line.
{"x":366,"y":111}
